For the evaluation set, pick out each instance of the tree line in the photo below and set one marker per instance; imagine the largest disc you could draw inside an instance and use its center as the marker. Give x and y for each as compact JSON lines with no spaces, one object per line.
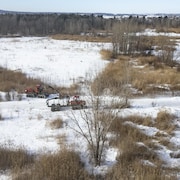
{"x":41,"y":24}
{"x":47,"y":24}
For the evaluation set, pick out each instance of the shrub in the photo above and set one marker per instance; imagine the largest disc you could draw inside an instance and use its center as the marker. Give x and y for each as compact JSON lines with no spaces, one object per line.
{"x":119,"y":126}
{"x":164,"y":121}
{"x":114,"y":77}
{"x":15,"y":80}
{"x":152,"y":81}
{"x":106,"y":54}
{"x":56,"y":124}
{"x":135,"y":171}
{"x":10,"y":159}
{"x":64,"y":165}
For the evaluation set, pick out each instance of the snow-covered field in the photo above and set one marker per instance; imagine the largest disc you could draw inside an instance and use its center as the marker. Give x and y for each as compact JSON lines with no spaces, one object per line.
{"x":53,"y":61}
{"x":26,"y":123}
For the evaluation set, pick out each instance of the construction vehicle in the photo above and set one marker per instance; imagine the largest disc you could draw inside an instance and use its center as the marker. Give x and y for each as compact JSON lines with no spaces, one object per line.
{"x":57,"y":103}
{"x":40,"y":91}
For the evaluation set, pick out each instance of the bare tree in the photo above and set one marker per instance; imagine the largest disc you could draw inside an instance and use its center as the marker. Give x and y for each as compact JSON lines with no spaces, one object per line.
{"x":166,"y":52}
{"x":96,"y":123}
{"x":93,"y":123}
{"x":124,"y":37}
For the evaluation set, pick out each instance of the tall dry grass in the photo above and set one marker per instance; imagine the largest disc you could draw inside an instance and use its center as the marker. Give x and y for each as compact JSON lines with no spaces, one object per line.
{"x":87,"y":38}
{"x":113,"y":77}
{"x":14,"y":159}
{"x":137,"y":152}
{"x":137,"y":171}
{"x":65,"y":165}
{"x":165,"y":122}
{"x":15,"y":80}
{"x":106,"y":54}
{"x":19,"y":81}
{"x":147,"y":79}
{"x":56,"y":123}
{"x":128,"y":133}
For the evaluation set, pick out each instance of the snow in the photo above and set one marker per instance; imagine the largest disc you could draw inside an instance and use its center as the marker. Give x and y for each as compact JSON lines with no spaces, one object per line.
{"x":26,"y":123}
{"x":57,"y":62}
{"x":152,"y":32}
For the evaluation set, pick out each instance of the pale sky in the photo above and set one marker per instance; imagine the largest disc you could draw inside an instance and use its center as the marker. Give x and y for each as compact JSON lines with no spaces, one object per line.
{"x":93,"y":6}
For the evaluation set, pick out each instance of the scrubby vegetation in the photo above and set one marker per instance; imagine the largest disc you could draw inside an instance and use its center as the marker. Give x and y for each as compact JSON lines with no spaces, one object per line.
{"x":133,"y":70}
{"x":138,"y":158}
{"x":144,"y":74}
{"x":56,"y":124}
{"x":18,"y":81}
{"x":64,"y":165}
{"x":14,"y":159}
{"x":15,"y":80}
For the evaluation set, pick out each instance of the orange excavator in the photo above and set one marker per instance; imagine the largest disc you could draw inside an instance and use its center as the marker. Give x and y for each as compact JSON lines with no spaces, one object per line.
{"x":39,"y":91}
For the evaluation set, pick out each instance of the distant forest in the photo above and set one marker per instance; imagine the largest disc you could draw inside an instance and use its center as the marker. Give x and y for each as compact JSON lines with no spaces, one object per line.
{"x":42,"y":24}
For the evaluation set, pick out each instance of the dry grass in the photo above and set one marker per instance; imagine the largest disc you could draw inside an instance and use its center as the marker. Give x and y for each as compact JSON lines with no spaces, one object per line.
{"x":146,"y":121}
{"x":14,"y":159}
{"x":147,"y":60}
{"x":127,"y":133}
{"x":137,"y":171}
{"x":15,"y":80}
{"x":74,"y":89}
{"x":156,"y":76}
{"x":56,"y":124}
{"x":62,"y":140}
{"x":164,"y":122}
{"x":106,"y":54}
{"x":174,"y":30}
{"x":137,"y":158}
{"x":112,"y":77}
{"x":64,"y":165}
{"x":19,"y":81}
{"x":87,"y":38}
{"x":147,"y":79}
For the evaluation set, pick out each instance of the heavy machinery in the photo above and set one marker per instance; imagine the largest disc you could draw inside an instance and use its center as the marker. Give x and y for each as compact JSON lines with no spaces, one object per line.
{"x":57,"y":103}
{"x":40,"y":91}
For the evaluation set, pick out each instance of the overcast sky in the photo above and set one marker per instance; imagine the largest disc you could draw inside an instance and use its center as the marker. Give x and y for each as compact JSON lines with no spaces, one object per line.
{"x":92,"y":6}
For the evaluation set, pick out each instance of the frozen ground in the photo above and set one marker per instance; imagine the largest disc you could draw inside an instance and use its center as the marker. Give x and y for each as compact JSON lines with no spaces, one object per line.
{"x":25,"y":123}
{"x":56,"y":62}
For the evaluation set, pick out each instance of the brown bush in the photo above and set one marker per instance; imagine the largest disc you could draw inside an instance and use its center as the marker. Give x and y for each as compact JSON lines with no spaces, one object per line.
{"x":137,"y":158}
{"x":14,"y":159}
{"x":147,"y":60}
{"x":112,"y":77}
{"x":72,"y":90}
{"x":64,"y":165}
{"x":106,"y":54}
{"x":151,"y":81}
{"x":126,"y":134}
{"x":164,"y":121}
{"x":136,"y":171}
{"x":19,"y":81}
{"x":15,"y":80}
{"x":87,"y":38}
{"x":56,"y":124}
{"x":146,"y":121}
